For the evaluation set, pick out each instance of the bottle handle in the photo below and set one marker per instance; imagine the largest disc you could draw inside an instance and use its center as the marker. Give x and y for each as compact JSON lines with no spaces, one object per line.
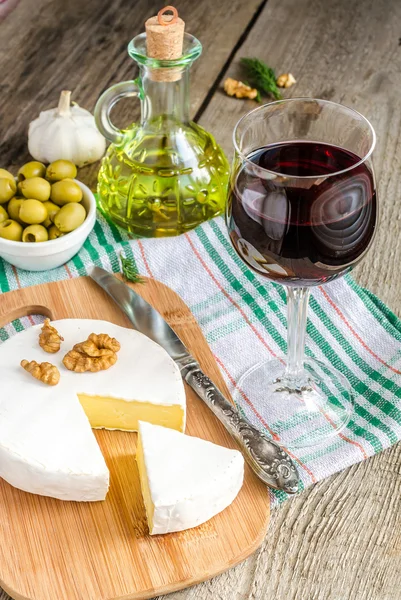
{"x":107,"y":100}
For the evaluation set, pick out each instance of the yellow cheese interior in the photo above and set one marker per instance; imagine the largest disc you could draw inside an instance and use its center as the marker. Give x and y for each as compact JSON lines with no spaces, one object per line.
{"x":147,"y":499}
{"x":113,"y":413}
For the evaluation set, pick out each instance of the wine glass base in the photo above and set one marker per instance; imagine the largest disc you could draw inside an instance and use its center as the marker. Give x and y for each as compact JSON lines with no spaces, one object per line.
{"x":299,"y":412}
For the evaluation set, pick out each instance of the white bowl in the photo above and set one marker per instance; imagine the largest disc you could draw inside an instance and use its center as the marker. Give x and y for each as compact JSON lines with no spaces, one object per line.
{"x":43,"y":256}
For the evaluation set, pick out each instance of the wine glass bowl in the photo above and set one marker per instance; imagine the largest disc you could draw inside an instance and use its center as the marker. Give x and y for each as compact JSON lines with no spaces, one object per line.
{"x":301,"y":211}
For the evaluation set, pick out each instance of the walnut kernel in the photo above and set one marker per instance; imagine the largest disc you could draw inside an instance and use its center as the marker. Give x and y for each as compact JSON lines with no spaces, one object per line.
{"x":97,"y":353}
{"x":232,"y":87}
{"x":286,"y":80}
{"x":45,"y":371}
{"x":50,"y":339}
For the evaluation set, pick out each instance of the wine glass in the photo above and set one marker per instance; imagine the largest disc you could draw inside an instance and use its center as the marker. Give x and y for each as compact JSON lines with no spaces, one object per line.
{"x":301,"y":211}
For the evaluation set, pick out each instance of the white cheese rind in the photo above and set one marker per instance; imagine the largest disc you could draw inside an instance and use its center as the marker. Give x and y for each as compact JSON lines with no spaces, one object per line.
{"x":191,"y":480}
{"x":47,"y":446}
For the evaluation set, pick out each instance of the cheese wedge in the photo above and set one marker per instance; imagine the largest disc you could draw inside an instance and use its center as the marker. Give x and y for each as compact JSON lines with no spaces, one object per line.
{"x":47,"y":446}
{"x":185,"y":481}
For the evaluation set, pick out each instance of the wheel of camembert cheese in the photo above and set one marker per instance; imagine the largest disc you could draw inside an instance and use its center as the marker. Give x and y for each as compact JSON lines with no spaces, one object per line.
{"x":47,"y":446}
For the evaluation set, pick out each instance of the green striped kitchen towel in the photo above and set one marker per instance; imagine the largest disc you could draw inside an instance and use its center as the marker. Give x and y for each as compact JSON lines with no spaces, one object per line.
{"x":244,"y":320}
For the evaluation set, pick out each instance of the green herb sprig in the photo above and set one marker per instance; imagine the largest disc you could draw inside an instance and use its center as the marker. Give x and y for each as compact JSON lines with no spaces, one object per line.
{"x":261,"y":76}
{"x":129,"y":270}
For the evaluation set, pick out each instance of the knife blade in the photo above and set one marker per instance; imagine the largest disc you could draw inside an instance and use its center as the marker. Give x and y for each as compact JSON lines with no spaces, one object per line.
{"x":269,"y":461}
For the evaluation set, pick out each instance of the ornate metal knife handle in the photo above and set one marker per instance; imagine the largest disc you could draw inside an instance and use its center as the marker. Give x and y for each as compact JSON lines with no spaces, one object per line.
{"x":270,"y":462}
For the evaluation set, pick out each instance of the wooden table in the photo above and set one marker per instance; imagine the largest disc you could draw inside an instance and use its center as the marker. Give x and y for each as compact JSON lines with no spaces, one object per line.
{"x":341,"y":539}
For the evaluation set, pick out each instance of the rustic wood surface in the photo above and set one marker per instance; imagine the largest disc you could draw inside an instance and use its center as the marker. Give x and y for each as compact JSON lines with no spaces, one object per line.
{"x":341,"y":539}
{"x":50,"y":45}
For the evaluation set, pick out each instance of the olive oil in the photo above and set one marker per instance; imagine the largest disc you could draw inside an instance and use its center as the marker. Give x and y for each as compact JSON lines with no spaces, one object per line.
{"x":164,"y":180}
{"x":165,"y":174}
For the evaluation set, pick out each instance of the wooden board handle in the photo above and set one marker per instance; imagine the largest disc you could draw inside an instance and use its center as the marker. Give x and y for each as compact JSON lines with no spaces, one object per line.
{"x":17,"y":304}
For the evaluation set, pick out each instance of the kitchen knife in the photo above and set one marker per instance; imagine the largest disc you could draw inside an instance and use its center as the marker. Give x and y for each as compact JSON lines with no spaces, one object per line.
{"x":268,"y":460}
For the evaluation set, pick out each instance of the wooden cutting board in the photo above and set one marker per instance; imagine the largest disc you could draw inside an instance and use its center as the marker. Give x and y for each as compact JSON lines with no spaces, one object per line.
{"x":54,"y":550}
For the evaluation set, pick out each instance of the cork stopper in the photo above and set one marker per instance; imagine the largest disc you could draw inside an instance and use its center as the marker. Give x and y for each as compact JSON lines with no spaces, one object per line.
{"x":164,"y":41}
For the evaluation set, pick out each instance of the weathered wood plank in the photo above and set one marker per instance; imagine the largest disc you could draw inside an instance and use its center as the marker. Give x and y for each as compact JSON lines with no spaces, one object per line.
{"x":340,"y":540}
{"x":50,"y":45}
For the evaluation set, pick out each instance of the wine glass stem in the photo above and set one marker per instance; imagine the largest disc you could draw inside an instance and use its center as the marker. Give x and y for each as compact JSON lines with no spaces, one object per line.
{"x":297,"y":311}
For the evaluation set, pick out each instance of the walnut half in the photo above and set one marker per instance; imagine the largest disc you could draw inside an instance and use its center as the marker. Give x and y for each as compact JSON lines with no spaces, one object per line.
{"x":45,"y":371}
{"x":286,"y":80}
{"x":97,"y":353}
{"x":50,"y":339}
{"x":232,"y":87}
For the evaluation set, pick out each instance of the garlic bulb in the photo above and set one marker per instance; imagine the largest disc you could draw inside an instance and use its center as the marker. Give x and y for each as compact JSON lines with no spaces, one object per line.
{"x":66,"y":132}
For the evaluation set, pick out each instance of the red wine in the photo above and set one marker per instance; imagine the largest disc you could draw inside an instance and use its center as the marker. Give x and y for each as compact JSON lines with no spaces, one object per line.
{"x":308,"y":220}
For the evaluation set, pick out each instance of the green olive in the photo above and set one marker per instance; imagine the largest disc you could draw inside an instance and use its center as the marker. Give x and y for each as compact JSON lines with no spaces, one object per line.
{"x":35,"y":187}
{"x":31,"y":169}
{"x":35,"y":233}
{"x":32,"y":211}
{"x":11,"y":230}
{"x":3,"y":214}
{"x":66,"y":191}
{"x":69,"y":217}
{"x":6,"y":174}
{"x":13,"y":208}
{"x":54,"y":233}
{"x":61,"y":169}
{"x":52,"y":210}
{"x":8,"y":188}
